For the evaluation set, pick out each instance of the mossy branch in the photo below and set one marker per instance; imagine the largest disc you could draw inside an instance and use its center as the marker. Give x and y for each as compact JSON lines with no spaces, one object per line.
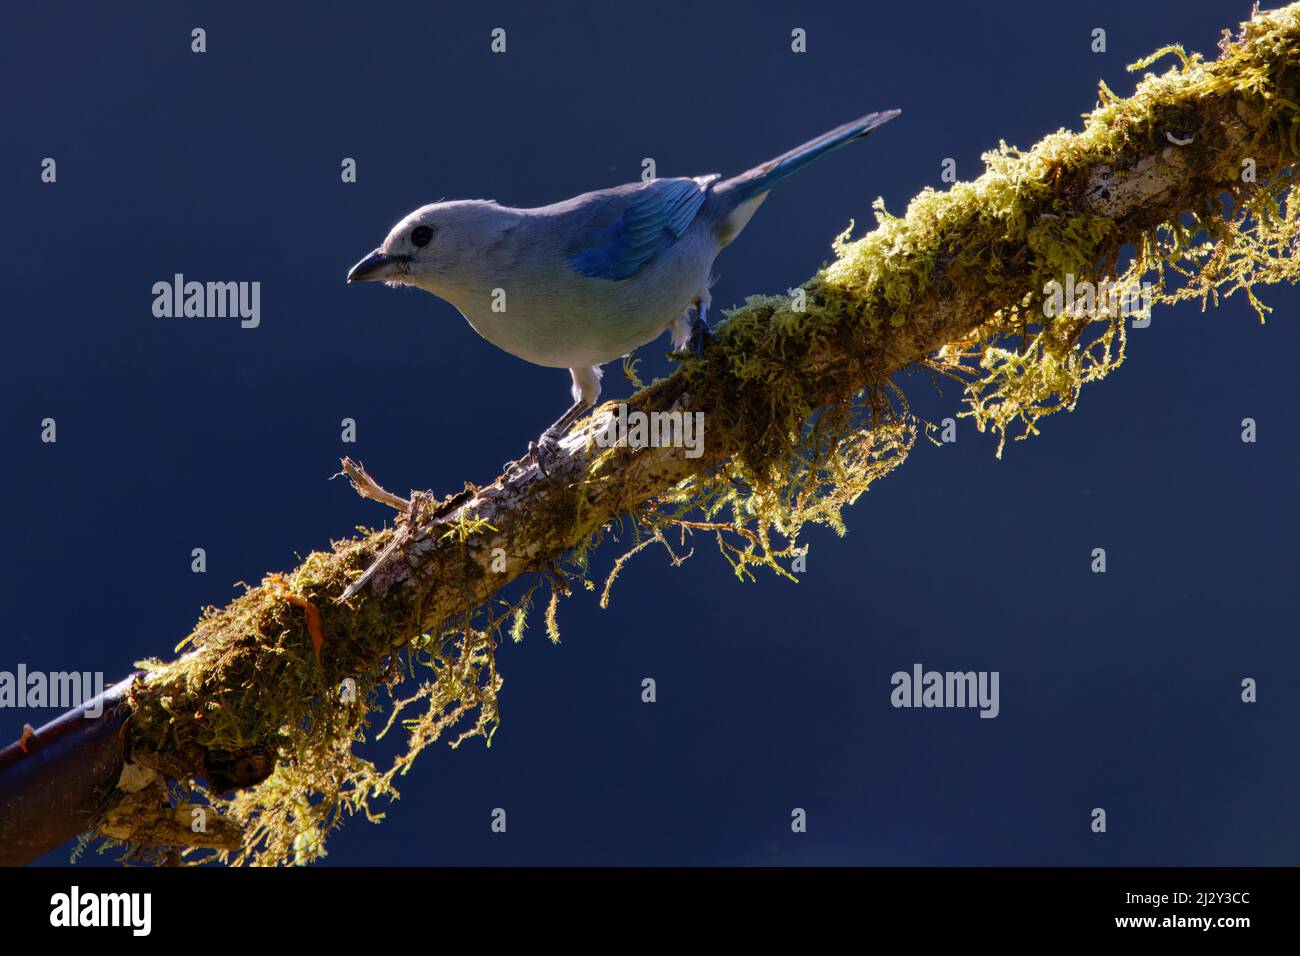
{"x":1185,"y":183}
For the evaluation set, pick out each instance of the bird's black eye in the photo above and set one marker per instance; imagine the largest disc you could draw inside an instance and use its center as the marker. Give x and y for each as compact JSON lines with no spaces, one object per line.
{"x":421,"y":235}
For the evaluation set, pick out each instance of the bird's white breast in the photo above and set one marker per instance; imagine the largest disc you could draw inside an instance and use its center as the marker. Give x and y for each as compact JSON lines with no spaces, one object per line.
{"x":536,"y":307}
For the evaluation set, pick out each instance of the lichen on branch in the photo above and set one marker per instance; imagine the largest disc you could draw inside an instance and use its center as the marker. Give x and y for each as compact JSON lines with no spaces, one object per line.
{"x":1185,"y":184}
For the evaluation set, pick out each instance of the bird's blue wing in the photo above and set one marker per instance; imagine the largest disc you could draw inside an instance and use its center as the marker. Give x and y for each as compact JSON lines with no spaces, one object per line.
{"x":652,"y":217}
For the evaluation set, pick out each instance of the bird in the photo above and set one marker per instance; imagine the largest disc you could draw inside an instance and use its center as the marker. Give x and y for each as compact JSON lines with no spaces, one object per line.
{"x":590,"y":279}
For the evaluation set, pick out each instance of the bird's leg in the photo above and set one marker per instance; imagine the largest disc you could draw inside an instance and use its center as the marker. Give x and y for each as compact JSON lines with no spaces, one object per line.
{"x":585,"y":391}
{"x":546,"y":446}
{"x":700,"y":331}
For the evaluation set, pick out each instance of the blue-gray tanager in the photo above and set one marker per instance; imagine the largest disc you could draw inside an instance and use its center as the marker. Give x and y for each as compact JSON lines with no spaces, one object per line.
{"x":581,"y":282}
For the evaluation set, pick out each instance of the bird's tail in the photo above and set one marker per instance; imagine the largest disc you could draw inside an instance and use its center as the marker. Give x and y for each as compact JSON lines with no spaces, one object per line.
{"x":763,"y":177}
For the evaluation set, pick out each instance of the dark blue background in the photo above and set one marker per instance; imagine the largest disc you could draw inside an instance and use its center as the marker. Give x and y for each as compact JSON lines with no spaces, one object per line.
{"x":1118,"y":690}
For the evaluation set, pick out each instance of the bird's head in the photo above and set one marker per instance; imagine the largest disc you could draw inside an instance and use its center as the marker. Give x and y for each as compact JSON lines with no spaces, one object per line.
{"x":434,"y":248}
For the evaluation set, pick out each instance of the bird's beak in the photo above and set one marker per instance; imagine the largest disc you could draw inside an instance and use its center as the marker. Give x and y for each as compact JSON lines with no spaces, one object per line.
{"x":377,"y":265}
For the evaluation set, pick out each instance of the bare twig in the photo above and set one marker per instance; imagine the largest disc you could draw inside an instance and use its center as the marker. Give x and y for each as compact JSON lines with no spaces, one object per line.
{"x":367,"y":487}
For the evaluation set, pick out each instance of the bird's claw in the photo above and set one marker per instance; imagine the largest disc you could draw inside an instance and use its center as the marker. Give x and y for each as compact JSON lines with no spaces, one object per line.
{"x":544,"y":450}
{"x":701,"y":335}
{"x":701,"y":332}
{"x":540,"y":453}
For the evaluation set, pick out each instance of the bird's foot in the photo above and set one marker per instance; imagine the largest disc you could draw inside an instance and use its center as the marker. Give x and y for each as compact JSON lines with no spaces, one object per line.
{"x":541,"y":454}
{"x":701,"y":332}
{"x":545,"y":450}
